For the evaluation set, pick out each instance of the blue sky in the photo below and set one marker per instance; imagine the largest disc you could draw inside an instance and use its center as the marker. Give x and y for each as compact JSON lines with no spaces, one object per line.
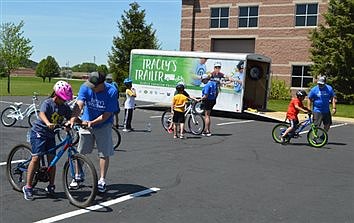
{"x":77,"y":31}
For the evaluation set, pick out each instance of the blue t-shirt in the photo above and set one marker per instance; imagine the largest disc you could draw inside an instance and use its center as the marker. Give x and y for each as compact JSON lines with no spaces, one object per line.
{"x":199,"y":71}
{"x":98,"y":103}
{"x":113,"y":83}
{"x":321,"y":98}
{"x":55,"y":113}
{"x":210,"y":89}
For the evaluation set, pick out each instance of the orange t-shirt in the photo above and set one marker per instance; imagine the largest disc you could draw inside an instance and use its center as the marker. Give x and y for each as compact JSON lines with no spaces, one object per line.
{"x":292,"y":111}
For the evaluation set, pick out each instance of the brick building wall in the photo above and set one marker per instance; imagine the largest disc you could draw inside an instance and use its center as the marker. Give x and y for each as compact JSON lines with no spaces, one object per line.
{"x":275,"y":36}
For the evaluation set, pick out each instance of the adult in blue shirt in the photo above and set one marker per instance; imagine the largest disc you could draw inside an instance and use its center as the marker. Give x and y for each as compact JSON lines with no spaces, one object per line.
{"x":209,"y":95}
{"x":320,"y":97}
{"x":109,"y":79}
{"x":98,"y":100}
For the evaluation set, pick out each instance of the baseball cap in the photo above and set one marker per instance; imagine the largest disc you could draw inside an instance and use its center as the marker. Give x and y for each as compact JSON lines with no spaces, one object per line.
{"x":321,"y":80}
{"x":94,"y":79}
{"x":217,"y":64}
{"x":205,"y":76}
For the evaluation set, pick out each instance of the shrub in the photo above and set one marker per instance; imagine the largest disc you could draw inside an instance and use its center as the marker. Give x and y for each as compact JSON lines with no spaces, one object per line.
{"x":279,"y":90}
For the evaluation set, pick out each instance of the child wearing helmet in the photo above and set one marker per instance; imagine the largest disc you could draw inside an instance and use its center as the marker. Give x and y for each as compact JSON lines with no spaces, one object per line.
{"x":53,"y":111}
{"x":295,"y":106}
{"x":129,"y":105}
{"x":177,"y":109}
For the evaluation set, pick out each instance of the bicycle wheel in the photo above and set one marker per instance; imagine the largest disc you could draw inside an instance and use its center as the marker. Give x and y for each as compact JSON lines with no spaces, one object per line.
{"x":166,"y":119}
{"x":61,"y":134}
{"x":196,"y":124}
{"x":16,"y":166}
{"x":317,"y":137}
{"x":32,"y":118}
{"x":278,"y":130}
{"x":116,"y":137}
{"x":7,"y":117}
{"x":198,"y":107}
{"x":83,"y":195}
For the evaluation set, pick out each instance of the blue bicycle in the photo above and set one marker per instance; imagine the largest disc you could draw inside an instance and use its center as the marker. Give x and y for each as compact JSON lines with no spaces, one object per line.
{"x":76,"y":164}
{"x":316,"y":136}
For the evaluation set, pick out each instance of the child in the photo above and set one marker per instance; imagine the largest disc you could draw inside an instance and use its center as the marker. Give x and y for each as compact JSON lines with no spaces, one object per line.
{"x":293,"y":110}
{"x":177,"y":109}
{"x":129,"y":105}
{"x":53,"y":111}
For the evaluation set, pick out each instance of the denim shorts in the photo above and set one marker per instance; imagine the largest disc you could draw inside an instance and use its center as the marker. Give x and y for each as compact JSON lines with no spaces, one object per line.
{"x":101,"y":137}
{"x":41,"y":144}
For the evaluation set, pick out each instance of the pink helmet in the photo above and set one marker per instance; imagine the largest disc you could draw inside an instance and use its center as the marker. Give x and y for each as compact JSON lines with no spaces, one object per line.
{"x":63,"y":90}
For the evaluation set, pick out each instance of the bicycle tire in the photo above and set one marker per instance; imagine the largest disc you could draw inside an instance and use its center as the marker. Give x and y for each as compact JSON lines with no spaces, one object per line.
{"x":61,"y":134}
{"x":87,"y":190}
{"x":32,"y":118}
{"x":116,"y":137}
{"x":198,"y":107}
{"x":197,"y":125}
{"x":16,"y":166}
{"x":278,"y":130}
{"x":166,"y":119}
{"x":6,"y":121}
{"x":317,"y":138}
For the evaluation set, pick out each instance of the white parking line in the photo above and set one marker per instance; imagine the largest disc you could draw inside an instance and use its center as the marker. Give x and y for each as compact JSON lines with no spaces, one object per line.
{"x":16,"y":161}
{"x":98,"y":206}
{"x":332,"y":126}
{"x":155,"y":116}
{"x":239,"y":122}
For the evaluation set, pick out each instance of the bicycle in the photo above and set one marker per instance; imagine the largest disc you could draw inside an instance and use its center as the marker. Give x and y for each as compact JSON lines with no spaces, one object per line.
{"x":13,"y":113}
{"x":195,"y":120}
{"x":316,"y":136}
{"x":81,"y":196}
{"x":116,"y":136}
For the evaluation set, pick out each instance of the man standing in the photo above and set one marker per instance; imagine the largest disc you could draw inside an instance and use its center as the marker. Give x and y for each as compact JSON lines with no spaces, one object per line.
{"x":320,"y":97}
{"x":209,"y":95}
{"x":99,"y":101}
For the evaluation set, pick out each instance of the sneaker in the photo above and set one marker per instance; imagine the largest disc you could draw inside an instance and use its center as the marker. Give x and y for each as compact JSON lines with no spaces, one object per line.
{"x":101,"y":186}
{"x":204,"y":133}
{"x":27,"y":193}
{"x":175,"y":137}
{"x":50,"y":189}
{"x":181,"y":136}
{"x":208,"y":134}
{"x":126,"y":130}
{"x":74,"y":184}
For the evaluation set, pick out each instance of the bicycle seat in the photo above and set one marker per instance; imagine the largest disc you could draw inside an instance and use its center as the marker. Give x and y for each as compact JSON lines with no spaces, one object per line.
{"x":18,"y":104}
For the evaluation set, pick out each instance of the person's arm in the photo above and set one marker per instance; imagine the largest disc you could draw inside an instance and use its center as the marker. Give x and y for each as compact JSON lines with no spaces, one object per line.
{"x":76,"y":112}
{"x":309,"y":104}
{"x":334,"y":105}
{"x":303,"y":109}
{"x":99,"y":119}
{"x":43,"y":117}
{"x":131,"y":92}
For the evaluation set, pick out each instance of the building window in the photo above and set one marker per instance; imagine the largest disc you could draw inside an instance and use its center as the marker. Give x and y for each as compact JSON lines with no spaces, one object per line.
{"x":306,"y":14}
{"x":300,"y":76}
{"x":248,"y":16}
{"x":219,"y":17}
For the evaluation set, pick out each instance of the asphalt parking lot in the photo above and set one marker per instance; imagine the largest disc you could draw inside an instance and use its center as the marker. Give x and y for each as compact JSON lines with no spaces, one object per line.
{"x":237,"y":175}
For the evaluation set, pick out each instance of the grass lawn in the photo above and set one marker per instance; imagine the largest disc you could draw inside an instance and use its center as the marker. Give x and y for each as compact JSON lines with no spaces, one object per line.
{"x":25,"y":86}
{"x":282,"y":105}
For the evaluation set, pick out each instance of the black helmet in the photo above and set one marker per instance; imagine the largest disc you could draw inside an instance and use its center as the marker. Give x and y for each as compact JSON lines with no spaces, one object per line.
{"x":301,"y":93}
{"x":180,"y":86}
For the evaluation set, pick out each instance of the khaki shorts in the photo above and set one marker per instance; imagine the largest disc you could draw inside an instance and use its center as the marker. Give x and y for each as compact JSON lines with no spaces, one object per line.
{"x":99,"y":137}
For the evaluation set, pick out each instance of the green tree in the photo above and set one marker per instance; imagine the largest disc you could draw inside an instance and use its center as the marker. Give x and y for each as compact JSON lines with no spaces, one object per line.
{"x":134,"y":33}
{"x":332,"y":48}
{"x":85,"y":67}
{"x":103,"y":69}
{"x":14,"y":48}
{"x":51,"y":68}
{"x":48,"y":68}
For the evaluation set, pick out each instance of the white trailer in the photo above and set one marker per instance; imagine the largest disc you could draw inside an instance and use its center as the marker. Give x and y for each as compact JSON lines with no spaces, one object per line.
{"x":155,"y":74}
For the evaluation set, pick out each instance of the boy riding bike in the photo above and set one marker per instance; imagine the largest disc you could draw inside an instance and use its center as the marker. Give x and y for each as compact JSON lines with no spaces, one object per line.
{"x":294,"y":107}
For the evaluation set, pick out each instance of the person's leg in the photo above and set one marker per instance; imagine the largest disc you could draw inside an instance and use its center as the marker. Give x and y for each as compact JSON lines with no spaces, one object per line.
{"x":104,"y":163}
{"x":327,"y":121}
{"x":207,"y":121}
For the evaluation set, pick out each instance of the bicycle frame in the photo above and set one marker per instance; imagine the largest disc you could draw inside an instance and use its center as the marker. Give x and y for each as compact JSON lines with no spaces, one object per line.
{"x":302,"y":125}
{"x":19,"y":115}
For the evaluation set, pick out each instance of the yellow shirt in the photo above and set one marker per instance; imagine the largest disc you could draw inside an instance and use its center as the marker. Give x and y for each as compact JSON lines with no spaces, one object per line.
{"x":178,"y":101}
